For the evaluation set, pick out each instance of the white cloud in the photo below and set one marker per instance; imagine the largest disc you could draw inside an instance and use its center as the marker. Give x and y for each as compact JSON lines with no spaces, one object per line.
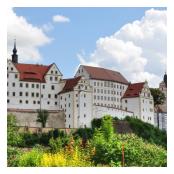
{"x":60,"y":18}
{"x":138,"y":49}
{"x":29,"y":38}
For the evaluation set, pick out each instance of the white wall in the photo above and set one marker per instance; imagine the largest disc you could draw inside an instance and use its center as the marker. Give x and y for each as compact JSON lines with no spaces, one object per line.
{"x":100,"y":111}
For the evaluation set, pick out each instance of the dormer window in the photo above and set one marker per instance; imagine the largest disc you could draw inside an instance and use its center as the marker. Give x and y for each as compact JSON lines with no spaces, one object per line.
{"x":55,"y":72}
{"x":51,"y":72}
{"x":16,"y":76}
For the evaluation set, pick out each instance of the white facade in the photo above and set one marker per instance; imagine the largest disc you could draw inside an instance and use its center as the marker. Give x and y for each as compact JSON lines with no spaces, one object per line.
{"x":32,"y":95}
{"x":142,"y":106}
{"x":77,"y":105}
{"x":87,"y":99}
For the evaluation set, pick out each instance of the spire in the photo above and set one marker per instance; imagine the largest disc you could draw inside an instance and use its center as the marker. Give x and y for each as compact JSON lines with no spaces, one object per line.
{"x":14,"y":55}
{"x":165,"y":79}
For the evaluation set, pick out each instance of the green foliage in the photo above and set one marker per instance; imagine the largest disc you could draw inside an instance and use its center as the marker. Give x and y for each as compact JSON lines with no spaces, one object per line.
{"x":42,"y":117}
{"x":158,"y":96}
{"x":139,"y":153}
{"x":32,"y":158}
{"x":13,"y":155}
{"x":13,"y":137}
{"x":96,"y":123}
{"x":83,"y":133}
{"x":148,"y":131}
{"x":107,"y":127}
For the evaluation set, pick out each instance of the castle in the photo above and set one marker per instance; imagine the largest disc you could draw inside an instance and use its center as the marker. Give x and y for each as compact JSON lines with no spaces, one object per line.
{"x":92,"y":93}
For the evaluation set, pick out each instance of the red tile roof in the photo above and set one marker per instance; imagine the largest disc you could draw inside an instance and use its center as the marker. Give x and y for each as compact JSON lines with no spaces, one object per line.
{"x":31,"y":72}
{"x":133,"y":90}
{"x":70,"y":84}
{"x":105,"y":74}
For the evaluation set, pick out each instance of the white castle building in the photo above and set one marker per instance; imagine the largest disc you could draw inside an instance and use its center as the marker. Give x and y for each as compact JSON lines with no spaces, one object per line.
{"x":92,"y":93}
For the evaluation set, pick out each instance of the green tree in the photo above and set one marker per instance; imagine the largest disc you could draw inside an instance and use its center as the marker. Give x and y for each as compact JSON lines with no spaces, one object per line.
{"x":159,"y":99}
{"x":42,"y":117}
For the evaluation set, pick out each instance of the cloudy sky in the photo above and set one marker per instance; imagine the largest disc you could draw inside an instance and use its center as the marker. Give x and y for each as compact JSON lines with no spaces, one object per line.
{"x":129,"y":40}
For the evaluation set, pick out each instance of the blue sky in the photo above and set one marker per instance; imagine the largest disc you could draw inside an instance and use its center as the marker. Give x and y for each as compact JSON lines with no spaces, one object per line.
{"x":78,"y":36}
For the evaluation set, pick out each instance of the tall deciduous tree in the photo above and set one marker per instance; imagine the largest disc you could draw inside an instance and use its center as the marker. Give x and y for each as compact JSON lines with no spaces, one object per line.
{"x":42,"y":117}
{"x":159,"y":99}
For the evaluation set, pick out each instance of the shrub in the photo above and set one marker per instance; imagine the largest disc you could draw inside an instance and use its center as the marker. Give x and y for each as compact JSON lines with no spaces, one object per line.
{"x":13,"y":137}
{"x":32,"y":158}
{"x":86,"y":133}
{"x":148,"y":131}
{"x":66,"y":158}
{"x":13,"y":155}
{"x":96,"y":123}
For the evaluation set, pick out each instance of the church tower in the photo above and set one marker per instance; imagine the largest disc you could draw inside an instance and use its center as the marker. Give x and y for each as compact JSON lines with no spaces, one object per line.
{"x":14,"y":55}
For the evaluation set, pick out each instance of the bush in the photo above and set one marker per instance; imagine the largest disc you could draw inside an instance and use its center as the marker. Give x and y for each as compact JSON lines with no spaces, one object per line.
{"x":13,"y":155}
{"x":32,"y":158}
{"x":13,"y":137}
{"x":96,"y":123}
{"x":86,"y":133}
{"x":148,"y":131}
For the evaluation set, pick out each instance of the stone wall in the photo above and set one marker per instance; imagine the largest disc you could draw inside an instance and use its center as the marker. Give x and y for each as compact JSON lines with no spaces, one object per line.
{"x":28,"y":118}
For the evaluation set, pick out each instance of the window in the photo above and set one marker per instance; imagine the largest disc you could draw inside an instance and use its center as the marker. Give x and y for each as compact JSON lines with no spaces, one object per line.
{"x":49,"y":95}
{"x":55,"y":103}
{"x":108,"y":92}
{"x":84,"y":104}
{"x":97,"y":83}
{"x":65,"y":105}
{"x":43,"y":86}
{"x":125,"y":101}
{"x":16,"y":76}
{"x":37,"y":85}
{"x":55,"y":78}
{"x":55,"y":96}
{"x":101,"y":84}
{"x":42,"y":95}
{"x":102,"y":91}
{"x":7,"y":83}
{"x":26,"y":85}
{"x":26,"y":101}
{"x":69,"y":104}
{"x":65,"y":99}
{"x":86,"y":88}
{"x":52,"y":87}
{"x":7,"y":75}
{"x":150,"y":102}
{"x":94,"y":96}
{"x":55,"y":72}
{"x":77,"y":105}
{"x":101,"y":97}
{"x":69,"y":115}
{"x":8,"y":101}
{"x":37,"y":94}
{"x":98,"y":97}
{"x":126,"y":108}
{"x":11,"y":68}
{"x":51,"y":78}
{"x":7,"y":93}
{"x":13,"y":93}
{"x":13,"y":84}
{"x":20,"y":93}
{"x":84,"y":115}
{"x":38,"y":102}
{"x":32,"y":94}
{"x":98,"y":91}
{"x":61,"y":98}
{"x":94,"y":83}
{"x":69,"y":126}
{"x":48,"y":102}
{"x":108,"y":98}
{"x":34,"y":102}
{"x":51,"y":72}
{"x":21,"y":84}
{"x":84,"y":95}
{"x":32,"y":85}
{"x":94,"y":90}
{"x":20,"y":101}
